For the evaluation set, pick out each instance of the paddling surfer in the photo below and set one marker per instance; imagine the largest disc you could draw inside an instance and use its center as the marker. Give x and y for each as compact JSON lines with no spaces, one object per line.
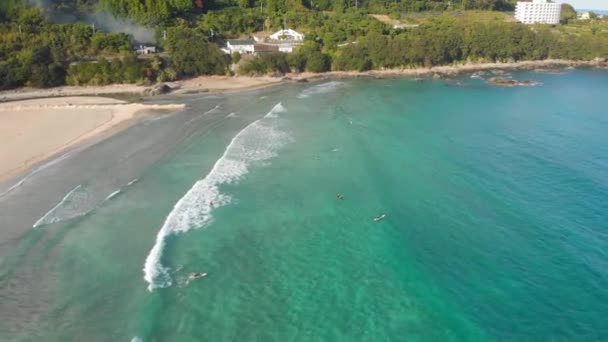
{"x":196,"y":275}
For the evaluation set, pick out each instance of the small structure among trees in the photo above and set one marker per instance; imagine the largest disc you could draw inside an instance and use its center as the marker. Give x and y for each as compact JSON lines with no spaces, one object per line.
{"x":144,"y":48}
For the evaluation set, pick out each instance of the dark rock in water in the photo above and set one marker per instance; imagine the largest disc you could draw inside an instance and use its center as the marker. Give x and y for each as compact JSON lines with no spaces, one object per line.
{"x":548,"y":71}
{"x":302,"y":80}
{"x":157,"y":89}
{"x":506,"y":82}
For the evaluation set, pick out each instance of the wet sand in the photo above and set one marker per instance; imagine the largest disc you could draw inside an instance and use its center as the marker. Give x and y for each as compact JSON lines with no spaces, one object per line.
{"x":35,"y":130}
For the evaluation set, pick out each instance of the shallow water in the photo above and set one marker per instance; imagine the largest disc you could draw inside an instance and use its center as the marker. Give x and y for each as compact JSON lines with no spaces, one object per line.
{"x":496,"y":202}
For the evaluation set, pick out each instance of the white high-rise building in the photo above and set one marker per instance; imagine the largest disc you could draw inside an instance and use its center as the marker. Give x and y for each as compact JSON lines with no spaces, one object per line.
{"x":538,"y":12}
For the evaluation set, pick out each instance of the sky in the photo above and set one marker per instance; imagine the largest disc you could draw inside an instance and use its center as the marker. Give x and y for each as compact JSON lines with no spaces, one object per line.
{"x":588,"y":4}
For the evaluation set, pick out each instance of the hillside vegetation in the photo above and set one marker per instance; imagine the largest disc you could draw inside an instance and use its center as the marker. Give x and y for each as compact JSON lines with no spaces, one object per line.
{"x":55,"y":44}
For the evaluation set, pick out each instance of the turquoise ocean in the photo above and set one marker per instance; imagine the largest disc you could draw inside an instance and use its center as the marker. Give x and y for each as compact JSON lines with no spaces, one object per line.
{"x":496,"y":228}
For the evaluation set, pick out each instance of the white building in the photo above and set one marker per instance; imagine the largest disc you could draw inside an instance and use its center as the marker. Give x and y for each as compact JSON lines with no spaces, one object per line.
{"x":283,"y":41}
{"x":144,"y":49}
{"x":288,"y":34}
{"x":538,"y":12}
{"x":242,"y":46}
{"x":585,"y":16}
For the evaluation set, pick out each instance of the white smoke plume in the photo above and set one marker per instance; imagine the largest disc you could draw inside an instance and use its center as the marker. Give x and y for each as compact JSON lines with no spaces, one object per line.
{"x":102,"y":20}
{"x":109,"y":23}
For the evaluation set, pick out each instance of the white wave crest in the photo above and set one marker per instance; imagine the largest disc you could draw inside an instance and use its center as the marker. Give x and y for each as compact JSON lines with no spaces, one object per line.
{"x":212,"y":110}
{"x":200,"y":116}
{"x":113,"y":194}
{"x":320,"y":89}
{"x":274,"y":113}
{"x":66,"y":208}
{"x":259,"y":141}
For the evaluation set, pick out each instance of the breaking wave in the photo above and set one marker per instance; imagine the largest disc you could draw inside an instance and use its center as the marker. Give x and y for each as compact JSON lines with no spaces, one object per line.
{"x":119,"y":191}
{"x":320,"y":89}
{"x":72,"y":205}
{"x":259,"y":141}
{"x":274,"y":113}
{"x":112,"y":195}
{"x":200,"y":116}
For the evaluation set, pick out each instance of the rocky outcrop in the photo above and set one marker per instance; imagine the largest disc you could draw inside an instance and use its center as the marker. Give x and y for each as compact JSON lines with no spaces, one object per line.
{"x":507,"y":82}
{"x":157,"y":89}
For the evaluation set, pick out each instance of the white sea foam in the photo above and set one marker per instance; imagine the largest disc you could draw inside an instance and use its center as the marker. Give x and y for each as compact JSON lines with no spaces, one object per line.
{"x":112,"y":195}
{"x":210,"y":111}
{"x":320,"y":89}
{"x":274,"y":113}
{"x":216,"y":108}
{"x":52,"y":215}
{"x":132,"y":182}
{"x":257,"y":142}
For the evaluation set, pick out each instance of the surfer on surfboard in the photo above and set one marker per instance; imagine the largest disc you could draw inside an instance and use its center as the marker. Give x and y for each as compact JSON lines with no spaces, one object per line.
{"x":196,"y":275}
{"x":379,"y":217}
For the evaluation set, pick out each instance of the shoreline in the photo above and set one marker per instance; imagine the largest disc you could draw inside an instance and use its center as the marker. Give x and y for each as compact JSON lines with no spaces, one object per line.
{"x":62,"y":99}
{"x":232,"y":84}
{"x":42,"y":129}
{"x":197,"y":85}
{"x":450,"y":70}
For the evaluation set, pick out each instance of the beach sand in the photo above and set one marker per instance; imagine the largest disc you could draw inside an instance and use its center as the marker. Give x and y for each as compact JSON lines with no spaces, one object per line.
{"x":35,"y":130}
{"x":212,"y":84}
{"x":223,"y":83}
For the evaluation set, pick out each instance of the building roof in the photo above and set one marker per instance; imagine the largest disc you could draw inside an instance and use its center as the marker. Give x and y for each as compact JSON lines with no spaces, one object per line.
{"x":265,"y":48}
{"x":288,"y":33}
{"x":241,"y":41}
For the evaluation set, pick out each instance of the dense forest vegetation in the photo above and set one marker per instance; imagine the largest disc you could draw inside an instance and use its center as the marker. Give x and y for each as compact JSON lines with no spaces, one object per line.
{"x":49,"y":43}
{"x":164,"y":11}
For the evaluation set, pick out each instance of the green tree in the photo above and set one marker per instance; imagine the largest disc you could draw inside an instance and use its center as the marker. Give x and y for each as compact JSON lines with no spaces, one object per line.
{"x":318,"y":62}
{"x":353,"y":57}
{"x":192,"y":56}
{"x":236,"y":57}
{"x":568,"y":13}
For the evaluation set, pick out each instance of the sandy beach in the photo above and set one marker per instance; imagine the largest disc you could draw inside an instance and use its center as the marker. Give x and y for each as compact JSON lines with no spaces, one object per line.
{"x":35,"y":130}
{"x":212,"y":84}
